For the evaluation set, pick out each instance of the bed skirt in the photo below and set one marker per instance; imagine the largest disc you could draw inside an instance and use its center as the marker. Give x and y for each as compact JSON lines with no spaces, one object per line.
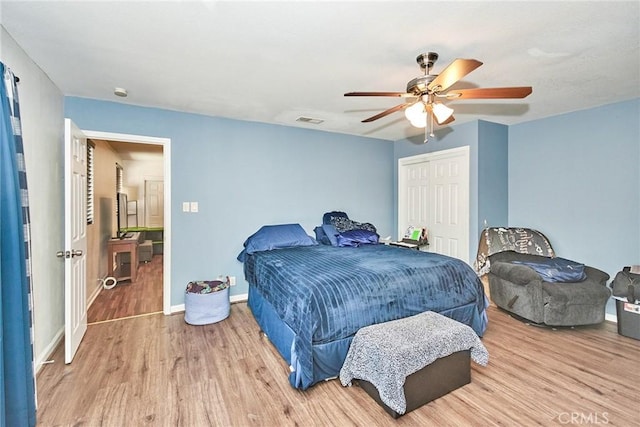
{"x":328,"y":358}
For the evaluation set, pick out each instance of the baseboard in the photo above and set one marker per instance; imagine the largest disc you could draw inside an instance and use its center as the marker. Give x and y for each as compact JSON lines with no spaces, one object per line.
{"x":48,"y":351}
{"x":610,"y":317}
{"x":95,"y":293}
{"x":233,"y":299}
{"x":238,"y":298}
{"x":177,"y":308}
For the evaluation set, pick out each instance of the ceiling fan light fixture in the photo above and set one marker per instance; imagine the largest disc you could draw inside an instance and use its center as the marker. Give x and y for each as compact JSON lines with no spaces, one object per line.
{"x":442,"y":112}
{"x":416,"y":114}
{"x":419,"y":122}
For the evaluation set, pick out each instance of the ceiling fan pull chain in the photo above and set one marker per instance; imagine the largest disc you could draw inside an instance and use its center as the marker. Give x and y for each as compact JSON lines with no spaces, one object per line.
{"x":431,"y":134}
{"x":426,"y":134}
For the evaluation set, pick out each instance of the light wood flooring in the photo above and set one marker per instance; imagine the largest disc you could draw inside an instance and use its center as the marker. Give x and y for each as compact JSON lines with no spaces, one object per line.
{"x":128,"y":298}
{"x":159,"y":371}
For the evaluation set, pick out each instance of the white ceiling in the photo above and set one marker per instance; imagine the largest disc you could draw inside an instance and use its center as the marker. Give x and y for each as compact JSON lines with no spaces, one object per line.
{"x":136,"y":152}
{"x":272,"y":62}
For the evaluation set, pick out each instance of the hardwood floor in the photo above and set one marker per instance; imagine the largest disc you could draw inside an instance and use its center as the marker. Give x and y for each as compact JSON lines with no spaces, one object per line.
{"x":128,"y":298}
{"x":159,"y":371}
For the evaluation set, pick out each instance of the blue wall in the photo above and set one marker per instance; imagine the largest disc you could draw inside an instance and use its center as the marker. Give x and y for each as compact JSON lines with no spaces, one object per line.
{"x":245,"y":175}
{"x":576,"y":177}
{"x":493,"y":177}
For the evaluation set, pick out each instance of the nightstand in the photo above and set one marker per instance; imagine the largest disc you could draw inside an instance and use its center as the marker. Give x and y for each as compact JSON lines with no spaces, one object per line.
{"x":411,"y":244}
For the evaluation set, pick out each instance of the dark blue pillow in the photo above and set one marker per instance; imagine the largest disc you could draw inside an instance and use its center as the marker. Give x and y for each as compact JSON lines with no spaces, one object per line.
{"x":357,"y":238}
{"x":557,"y":269}
{"x":275,"y":237}
{"x":331,"y":233}
{"x":321,"y":236}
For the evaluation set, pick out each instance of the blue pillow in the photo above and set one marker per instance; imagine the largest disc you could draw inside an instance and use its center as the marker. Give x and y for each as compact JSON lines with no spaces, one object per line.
{"x":331,"y":233}
{"x":557,"y":270}
{"x":275,"y":237}
{"x":321,"y":236}
{"x":357,"y":238}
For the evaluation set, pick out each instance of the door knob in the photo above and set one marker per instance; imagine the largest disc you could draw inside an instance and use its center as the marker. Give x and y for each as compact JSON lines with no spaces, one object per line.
{"x":69,"y":254}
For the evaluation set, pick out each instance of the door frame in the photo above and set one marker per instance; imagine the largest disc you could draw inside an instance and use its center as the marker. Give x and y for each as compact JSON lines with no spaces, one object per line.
{"x":403,"y":162}
{"x":166,"y":159}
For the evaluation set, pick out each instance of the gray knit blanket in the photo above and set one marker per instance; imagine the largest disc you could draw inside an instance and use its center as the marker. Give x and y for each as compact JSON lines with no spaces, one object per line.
{"x":386,"y":353}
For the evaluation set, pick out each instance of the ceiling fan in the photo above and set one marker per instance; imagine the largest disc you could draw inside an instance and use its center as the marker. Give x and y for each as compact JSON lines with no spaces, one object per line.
{"x":428,"y":88}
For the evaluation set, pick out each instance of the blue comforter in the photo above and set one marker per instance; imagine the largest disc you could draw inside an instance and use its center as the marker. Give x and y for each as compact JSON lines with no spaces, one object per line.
{"x":326,"y":293}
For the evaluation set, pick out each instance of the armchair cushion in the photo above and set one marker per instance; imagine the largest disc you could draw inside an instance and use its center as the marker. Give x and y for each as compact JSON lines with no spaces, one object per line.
{"x":516,"y":273}
{"x":519,"y":289}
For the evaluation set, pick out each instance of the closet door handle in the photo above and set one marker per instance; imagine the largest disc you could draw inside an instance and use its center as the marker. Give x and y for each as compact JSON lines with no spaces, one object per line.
{"x":76,"y":252}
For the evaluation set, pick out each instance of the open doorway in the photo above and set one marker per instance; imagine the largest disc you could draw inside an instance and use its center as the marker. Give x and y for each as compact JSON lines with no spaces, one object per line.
{"x":125,"y":165}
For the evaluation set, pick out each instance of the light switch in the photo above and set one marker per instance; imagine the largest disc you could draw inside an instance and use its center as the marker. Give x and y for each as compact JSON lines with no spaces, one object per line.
{"x":185,"y":206}
{"x":194,"y":206}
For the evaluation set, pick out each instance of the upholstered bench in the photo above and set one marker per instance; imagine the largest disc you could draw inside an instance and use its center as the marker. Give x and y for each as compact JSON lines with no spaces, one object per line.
{"x":405,"y":363}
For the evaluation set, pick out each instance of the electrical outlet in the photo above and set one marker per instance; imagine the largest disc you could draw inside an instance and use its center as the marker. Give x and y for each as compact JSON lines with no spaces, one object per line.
{"x":185,"y":206}
{"x":194,"y":206}
{"x":232,"y":280}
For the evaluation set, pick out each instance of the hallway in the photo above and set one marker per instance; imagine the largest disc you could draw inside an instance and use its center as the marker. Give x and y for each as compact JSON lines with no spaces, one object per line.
{"x":128,"y":299}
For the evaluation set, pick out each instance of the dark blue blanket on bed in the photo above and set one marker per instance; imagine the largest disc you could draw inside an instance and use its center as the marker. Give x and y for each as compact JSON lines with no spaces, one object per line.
{"x":326,"y":293}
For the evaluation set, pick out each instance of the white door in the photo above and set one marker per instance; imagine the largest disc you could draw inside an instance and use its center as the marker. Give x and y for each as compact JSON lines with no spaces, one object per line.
{"x":449,"y":207}
{"x":75,"y":239}
{"x":433,"y":190}
{"x":154,"y":203}
{"x":416,"y":197}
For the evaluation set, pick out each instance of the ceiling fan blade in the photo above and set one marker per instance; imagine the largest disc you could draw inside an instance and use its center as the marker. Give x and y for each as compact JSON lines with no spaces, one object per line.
{"x":490,"y":93}
{"x":399,"y":94}
{"x":449,"y":120}
{"x":454,"y":72}
{"x":387,"y":112}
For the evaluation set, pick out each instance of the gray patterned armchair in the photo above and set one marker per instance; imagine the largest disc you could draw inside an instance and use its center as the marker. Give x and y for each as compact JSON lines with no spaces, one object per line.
{"x":528,"y":280}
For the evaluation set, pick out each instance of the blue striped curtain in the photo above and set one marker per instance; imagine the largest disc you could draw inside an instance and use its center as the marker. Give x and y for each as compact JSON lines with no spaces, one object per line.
{"x":17,"y":401}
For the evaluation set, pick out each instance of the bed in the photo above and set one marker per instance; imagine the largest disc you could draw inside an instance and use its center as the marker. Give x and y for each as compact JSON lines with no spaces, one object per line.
{"x":311,"y":299}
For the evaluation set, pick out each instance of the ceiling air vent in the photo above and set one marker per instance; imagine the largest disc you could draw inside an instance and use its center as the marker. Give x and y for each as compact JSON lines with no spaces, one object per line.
{"x":311,"y":120}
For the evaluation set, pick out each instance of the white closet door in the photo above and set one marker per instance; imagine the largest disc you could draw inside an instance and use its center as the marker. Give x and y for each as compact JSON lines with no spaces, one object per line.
{"x":449,"y":206}
{"x":417,"y":195}
{"x":434,"y":192}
